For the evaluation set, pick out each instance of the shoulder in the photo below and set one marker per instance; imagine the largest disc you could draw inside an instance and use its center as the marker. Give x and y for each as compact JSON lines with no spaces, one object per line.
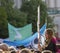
{"x":53,"y":40}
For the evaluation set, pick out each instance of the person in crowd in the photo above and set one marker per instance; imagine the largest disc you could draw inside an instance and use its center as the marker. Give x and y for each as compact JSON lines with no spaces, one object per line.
{"x":25,"y":50}
{"x":50,"y":42}
{"x":4,"y":47}
{"x":37,"y":52}
{"x":20,"y":47}
{"x":12,"y":49}
{"x":1,"y":51}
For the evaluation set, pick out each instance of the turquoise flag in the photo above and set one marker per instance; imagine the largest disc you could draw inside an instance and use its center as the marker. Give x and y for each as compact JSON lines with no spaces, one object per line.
{"x":12,"y":32}
{"x":25,"y":31}
{"x":32,"y":39}
{"x":19,"y":33}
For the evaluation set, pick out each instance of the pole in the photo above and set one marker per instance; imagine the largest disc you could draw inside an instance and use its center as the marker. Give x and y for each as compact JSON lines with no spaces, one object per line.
{"x":38,"y":24}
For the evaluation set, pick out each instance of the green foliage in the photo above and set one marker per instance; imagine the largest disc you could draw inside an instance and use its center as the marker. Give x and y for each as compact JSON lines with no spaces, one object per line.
{"x":28,"y":14}
{"x":11,"y":15}
{"x":50,"y":23}
{"x":5,"y":7}
{"x":30,"y":7}
{"x":3,"y":22}
{"x":17,"y":18}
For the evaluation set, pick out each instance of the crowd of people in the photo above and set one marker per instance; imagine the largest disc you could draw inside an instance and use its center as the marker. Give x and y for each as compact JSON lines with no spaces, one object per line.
{"x":50,"y":44}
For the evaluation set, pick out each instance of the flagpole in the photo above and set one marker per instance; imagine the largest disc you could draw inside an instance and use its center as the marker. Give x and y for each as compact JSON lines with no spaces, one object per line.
{"x":38,"y":24}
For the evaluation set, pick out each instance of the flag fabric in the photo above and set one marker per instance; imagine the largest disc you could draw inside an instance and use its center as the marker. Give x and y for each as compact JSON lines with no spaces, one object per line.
{"x":42,"y":40}
{"x":25,"y":31}
{"x":19,"y":34}
{"x":28,"y":40}
{"x":12,"y":32}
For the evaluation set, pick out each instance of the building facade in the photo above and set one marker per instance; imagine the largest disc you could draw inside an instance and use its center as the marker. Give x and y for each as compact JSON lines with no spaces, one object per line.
{"x":54,"y":11}
{"x":17,"y":3}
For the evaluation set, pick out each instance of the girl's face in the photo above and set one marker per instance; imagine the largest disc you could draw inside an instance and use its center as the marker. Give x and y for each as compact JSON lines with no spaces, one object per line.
{"x":46,"y":35}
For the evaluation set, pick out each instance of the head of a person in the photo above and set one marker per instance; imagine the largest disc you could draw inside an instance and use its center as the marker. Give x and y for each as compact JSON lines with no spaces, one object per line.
{"x":21,"y":47}
{"x":1,"y":50}
{"x":4,"y":47}
{"x":25,"y":50}
{"x":48,"y":33}
{"x":13,"y":51}
{"x":37,"y":52}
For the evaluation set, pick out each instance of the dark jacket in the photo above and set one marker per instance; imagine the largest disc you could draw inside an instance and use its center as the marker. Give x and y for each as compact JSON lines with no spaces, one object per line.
{"x":51,"y":47}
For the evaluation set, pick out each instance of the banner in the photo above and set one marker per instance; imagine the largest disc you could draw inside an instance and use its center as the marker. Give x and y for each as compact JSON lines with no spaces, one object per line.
{"x":19,"y":34}
{"x":28,"y":40}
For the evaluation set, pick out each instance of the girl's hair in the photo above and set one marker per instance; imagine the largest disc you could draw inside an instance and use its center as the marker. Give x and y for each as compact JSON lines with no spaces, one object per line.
{"x":49,"y":31}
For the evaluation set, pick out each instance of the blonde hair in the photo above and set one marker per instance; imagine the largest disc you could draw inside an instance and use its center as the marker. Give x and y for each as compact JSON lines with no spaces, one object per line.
{"x":49,"y":32}
{"x":4,"y":47}
{"x":25,"y":49}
